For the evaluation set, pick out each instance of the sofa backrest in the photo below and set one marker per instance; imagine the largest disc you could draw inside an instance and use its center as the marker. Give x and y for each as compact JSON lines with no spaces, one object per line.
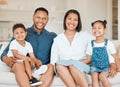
{"x":117,"y":46}
{"x":3,"y":45}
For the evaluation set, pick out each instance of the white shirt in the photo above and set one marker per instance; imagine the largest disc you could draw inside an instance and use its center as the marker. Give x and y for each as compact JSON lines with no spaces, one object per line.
{"x":23,"y":50}
{"x":62,"y":50}
{"x":110,"y":49}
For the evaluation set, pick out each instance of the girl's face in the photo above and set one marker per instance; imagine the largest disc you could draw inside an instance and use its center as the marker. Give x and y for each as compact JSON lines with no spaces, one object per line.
{"x":19,"y":34}
{"x":98,"y":29}
{"x":71,"y":21}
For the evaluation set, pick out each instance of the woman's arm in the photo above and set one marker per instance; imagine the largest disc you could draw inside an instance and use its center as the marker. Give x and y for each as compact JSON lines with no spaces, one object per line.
{"x":54,"y":53}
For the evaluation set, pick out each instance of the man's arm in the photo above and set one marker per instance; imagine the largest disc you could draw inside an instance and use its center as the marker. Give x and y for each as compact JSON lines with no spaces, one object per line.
{"x":4,"y":53}
{"x":4,"y":57}
{"x":9,"y":61}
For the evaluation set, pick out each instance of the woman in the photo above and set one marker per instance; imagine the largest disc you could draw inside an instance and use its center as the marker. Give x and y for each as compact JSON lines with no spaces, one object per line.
{"x":68,"y":51}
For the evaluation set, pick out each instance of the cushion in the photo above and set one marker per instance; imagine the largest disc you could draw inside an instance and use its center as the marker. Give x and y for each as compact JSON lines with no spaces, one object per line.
{"x":7,"y":77}
{"x":3,"y":67}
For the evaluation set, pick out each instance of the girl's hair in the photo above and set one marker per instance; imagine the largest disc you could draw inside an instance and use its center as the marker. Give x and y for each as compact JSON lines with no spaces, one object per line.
{"x":41,"y":9}
{"x":100,"y":21}
{"x":18,"y":25}
{"x":79,"y":26}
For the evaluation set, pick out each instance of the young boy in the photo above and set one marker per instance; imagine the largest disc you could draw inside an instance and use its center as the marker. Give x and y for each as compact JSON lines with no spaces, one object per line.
{"x":19,"y":48}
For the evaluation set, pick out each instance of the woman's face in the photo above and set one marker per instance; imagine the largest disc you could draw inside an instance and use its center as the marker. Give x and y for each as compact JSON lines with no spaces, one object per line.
{"x":71,"y":21}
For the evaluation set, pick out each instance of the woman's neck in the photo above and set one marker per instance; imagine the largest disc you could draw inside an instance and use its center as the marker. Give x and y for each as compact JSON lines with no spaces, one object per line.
{"x":70,"y":35}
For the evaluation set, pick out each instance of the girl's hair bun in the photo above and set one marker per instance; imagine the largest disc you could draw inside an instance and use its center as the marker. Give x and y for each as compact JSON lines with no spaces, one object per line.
{"x":105,"y":22}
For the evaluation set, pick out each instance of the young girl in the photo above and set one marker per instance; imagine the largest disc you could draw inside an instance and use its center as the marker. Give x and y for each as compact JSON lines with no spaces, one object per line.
{"x":101,"y":52}
{"x":19,"y":48}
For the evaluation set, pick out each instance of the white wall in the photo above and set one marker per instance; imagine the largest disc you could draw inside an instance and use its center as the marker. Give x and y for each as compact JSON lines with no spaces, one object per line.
{"x":90,"y":10}
{"x":119,"y":19}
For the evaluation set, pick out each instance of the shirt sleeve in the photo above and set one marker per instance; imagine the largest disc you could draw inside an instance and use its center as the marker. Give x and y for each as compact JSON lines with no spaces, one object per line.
{"x":13,"y":45}
{"x":54,"y":53}
{"x":30,"y":49}
{"x":111,"y":58}
{"x":111,"y":48}
{"x":89,"y":49}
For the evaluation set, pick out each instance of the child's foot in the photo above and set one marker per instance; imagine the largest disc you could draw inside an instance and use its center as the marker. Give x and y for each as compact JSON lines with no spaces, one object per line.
{"x":35,"y":82}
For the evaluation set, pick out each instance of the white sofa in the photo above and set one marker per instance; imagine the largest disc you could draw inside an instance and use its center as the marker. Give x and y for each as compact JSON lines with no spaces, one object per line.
{"x":7,"y":79}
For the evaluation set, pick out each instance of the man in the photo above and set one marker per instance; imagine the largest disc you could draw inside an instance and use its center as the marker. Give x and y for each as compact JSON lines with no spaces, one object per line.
{"x":41,"y":41}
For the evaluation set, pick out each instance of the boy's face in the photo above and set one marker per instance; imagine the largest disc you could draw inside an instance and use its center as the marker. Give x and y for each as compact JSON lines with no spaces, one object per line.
{"x":19,"y":34}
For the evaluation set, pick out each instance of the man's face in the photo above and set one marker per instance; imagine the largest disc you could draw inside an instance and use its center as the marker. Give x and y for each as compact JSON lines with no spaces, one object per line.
{"x":40,"y":19}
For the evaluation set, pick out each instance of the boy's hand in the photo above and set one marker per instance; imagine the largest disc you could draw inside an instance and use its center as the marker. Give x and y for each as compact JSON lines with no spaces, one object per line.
{"x":38,"y":64}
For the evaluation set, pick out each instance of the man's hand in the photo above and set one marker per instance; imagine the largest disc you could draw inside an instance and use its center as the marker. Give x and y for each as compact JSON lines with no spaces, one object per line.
{"x":112,"y":70}
{"x":9,"y":61}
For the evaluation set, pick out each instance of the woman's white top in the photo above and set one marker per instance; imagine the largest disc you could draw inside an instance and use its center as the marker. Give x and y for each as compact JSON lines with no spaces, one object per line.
{"x":63,"y":50}
{"x":23,"y":50}
{"x":110,"y":49}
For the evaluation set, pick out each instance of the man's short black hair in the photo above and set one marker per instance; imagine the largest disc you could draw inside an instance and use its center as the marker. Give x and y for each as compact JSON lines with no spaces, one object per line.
{"x":41,"y":9}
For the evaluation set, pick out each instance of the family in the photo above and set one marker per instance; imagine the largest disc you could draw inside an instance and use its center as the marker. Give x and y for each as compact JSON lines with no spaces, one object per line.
{"x":70,"y":55}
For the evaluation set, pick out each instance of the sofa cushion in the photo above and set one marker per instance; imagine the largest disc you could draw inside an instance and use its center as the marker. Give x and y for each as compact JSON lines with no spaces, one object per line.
{"x":3,"y":67}
{"x":7,"y":77}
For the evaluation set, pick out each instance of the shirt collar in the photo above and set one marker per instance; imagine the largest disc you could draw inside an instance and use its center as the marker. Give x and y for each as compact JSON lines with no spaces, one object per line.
{"x":34,"y":31}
